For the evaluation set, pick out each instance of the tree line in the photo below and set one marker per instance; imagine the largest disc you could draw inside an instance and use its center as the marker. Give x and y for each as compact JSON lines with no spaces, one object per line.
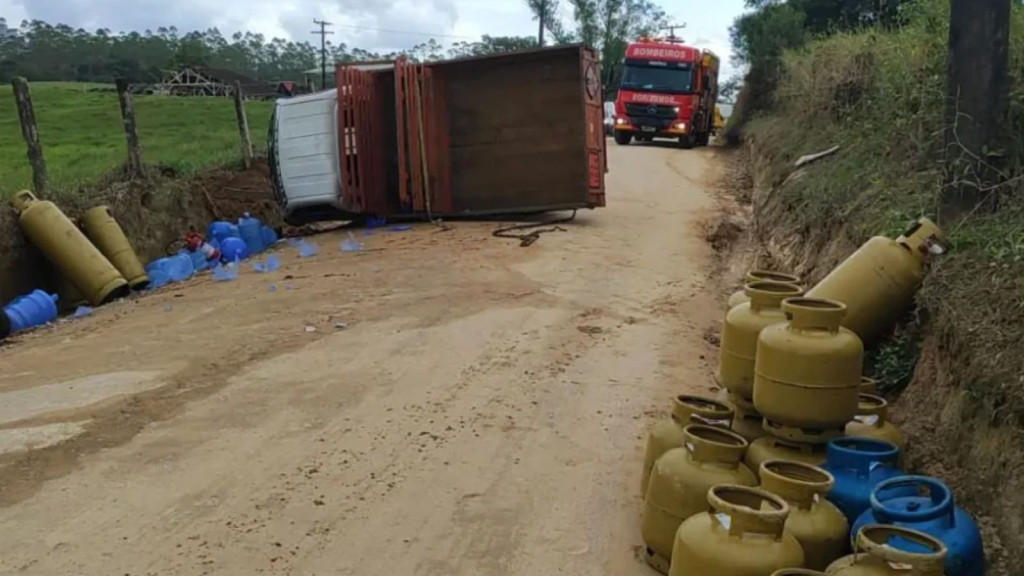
{"x":41,"y":51}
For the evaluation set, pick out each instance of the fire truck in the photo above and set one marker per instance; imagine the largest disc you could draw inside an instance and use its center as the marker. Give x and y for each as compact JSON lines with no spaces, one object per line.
{"x":668,"y":90}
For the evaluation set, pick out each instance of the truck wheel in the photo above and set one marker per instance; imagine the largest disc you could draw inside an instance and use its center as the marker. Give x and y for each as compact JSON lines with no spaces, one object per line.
{"x":704,"y":139}
{"x":687,"y":142}
{"x":623,"y":138}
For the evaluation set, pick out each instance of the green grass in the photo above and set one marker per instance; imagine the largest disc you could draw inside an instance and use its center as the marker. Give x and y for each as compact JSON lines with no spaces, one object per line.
{"x":80,"y":128}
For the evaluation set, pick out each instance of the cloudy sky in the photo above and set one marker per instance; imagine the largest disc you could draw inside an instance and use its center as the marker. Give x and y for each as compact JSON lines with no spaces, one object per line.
{"x":381,"y":25}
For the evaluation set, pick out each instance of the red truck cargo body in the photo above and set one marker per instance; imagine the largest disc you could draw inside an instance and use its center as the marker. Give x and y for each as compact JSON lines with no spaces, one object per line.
{"x":511,"y":133}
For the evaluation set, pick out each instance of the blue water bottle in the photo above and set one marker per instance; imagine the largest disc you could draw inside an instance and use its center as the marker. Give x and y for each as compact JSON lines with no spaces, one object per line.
{"x":251,"y":231}
{"x":33,"y":309}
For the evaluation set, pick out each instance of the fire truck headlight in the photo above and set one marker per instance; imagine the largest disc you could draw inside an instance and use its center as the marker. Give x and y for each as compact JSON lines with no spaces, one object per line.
{"x":681,"y":125}
{"x":676,"y":110}
{"x":620,"y":120}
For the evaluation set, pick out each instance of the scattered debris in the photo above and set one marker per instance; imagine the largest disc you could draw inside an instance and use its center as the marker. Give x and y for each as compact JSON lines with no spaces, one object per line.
{"x":340,"y":325}
{"x":307,"y":249}
{"x":401,"y":228}
{"x":590,"y":330}
{"x":225,"y":273}
{"x":804,"y":160}
{"x":310,"y":328}
{"x":350,"y":244}
{"x":82,"y":311}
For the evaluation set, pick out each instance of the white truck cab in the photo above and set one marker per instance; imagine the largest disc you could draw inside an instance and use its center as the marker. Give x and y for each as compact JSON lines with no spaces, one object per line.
{"x":303,"y":155}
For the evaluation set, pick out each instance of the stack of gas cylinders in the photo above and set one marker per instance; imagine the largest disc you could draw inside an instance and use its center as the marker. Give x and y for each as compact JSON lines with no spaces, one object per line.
{"x":794,"y":469}
{"x":94,"y":259}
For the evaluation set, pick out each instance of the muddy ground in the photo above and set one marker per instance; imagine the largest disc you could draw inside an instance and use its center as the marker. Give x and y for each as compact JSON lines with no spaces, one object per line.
{"x":441,"y":402}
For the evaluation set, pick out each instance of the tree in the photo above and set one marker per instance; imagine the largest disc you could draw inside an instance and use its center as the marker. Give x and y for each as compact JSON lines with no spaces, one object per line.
{"x":544,"y":11}
{"x":609,"y":26}
{"x":491,"y":45}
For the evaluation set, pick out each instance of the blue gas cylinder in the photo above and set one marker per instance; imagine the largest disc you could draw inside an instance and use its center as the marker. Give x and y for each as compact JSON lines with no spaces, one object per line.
{"x":251,"y":230}
{"x":859,"y":464}
{"x":925,"y":504}
{"x":269,"y":236}
{"x":33,"y":309}
{"x":232,"y":249}
{"x":219,"y":230}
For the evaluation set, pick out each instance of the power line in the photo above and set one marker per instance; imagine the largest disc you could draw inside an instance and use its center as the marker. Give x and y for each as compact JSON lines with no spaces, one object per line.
{"x":371,"y":29}
{"x":322,"y":32}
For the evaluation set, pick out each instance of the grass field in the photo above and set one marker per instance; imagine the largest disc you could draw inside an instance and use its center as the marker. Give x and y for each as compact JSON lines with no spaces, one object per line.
{"x":82,"y":136}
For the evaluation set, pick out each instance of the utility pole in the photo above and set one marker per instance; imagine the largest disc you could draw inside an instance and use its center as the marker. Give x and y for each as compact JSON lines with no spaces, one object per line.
{"x":976,"y":102}
{"x":672,"y":32}
{"x":322,"y":32}
{"x":541,"y":15}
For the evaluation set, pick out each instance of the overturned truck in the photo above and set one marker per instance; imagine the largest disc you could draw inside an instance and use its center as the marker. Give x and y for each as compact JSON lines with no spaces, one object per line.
{"x":511,"y":133}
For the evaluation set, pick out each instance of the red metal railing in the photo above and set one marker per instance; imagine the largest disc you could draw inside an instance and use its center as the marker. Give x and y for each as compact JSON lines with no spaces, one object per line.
{"x":360,"y":141}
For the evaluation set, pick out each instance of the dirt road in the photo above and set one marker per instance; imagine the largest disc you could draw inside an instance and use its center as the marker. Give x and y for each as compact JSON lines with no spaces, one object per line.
{"x":482,"y":411}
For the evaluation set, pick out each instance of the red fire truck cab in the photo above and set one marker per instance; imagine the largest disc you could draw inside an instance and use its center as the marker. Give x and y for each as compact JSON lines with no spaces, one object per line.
{"x":668,"y":90}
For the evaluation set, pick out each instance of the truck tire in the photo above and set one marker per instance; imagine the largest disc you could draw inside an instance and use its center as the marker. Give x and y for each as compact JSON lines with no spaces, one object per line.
{"x":687,"y":142}
{"x":623,"y":138}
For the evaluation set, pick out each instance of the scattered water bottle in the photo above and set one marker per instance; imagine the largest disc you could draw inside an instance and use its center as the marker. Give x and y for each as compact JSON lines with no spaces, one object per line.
{"x":82,"y":311}
{"x":225,"y":273}
{"x":269,"y":236}
{"x":273,"y":263}
{"x":351,"y":244}
{"x":33,"y":309}
{"x":294,"y":242}
{"x":251,"y":231}
{"x":307,"y":249}
{"x":401,"y":228}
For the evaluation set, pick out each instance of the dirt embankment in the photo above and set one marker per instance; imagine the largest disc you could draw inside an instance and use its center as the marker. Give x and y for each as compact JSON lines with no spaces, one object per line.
{"x":949,"y":435}
{"x":153,"y":213}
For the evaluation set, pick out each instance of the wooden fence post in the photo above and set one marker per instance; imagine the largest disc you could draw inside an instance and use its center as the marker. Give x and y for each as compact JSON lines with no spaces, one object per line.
{"x":243,"y":127}
{"x":131,"y":134}
{"x":27,"y":118}
{"x":976,"y":102}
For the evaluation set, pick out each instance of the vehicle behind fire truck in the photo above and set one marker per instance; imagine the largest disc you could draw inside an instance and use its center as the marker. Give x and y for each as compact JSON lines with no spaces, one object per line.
{"x":668,"y":90}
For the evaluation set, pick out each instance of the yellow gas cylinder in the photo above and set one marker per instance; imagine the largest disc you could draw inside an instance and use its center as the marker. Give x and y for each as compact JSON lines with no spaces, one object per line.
{"x":680,"y":481}
{"x":771,"y":448}
{"x":807,"y":373}
{"x":877,"y":283}
{"x":743,"y":324}
{"x":743,"y":534}
{"x":821,"y":529}
{"x":873,"y":556}
{"x":101,"y":227}
{"x":70,"y":296}
{"x":798,"y":572}
{"x":740,"y":296}
{"x":868,"y":385}
{"x":68,"y":249}
{"x":745,"y":421}
{"x":872,"y":421}
{"x":668,"y":433}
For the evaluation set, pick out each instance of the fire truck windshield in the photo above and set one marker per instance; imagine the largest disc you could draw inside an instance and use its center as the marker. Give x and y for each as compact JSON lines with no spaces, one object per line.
{"x":669,"y":77}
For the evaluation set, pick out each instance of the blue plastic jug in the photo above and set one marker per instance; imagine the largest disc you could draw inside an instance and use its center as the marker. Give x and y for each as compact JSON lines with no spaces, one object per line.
{"x":925,"y":504}
{"x":859,"y":464}
{"x":198,"y":261}
{"x":219,"y":230}
{"x":232,"y":249}
{"x":251,"y":230}
{"x":269,"y":236}
{"x":33,"y":309}
{"x":180,"y":267}
{"x":158,"y":272}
